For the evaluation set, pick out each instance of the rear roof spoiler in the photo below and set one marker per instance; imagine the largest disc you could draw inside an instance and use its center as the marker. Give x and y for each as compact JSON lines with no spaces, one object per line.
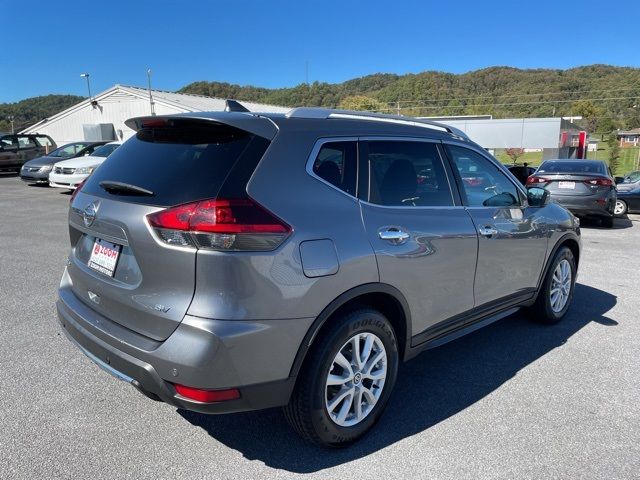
{"x":249,"y":122}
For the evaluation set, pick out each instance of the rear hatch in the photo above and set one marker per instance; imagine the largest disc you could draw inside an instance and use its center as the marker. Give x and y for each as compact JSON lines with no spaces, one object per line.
{"x":123,"y":267}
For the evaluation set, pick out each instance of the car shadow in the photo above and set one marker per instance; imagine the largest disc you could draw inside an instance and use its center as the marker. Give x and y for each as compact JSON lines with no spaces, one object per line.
{"x":431,"y":388}
{"x":619,"y":223}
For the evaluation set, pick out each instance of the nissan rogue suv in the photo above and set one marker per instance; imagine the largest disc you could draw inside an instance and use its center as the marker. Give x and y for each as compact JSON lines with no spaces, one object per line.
{"x":234,"y":261}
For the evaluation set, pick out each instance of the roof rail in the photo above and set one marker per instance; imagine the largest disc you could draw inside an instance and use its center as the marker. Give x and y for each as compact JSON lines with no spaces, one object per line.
{"x":311,"y":112}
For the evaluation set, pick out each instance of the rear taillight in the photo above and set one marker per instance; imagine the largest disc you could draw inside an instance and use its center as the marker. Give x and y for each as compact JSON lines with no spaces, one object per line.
{"x":77,"y":189}
{"x":532,"y":180}
{"x":238,"y":224}
{"x":601,"y":182}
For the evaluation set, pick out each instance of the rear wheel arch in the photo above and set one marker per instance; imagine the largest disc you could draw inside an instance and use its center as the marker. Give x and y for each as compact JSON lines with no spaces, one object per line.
{"x":381,"y":297}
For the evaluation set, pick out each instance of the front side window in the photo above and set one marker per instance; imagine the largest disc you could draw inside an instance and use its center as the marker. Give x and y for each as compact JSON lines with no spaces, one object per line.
{"x":336,"y":164}
{"x":406,"y":173}
{"x":483,"y":183}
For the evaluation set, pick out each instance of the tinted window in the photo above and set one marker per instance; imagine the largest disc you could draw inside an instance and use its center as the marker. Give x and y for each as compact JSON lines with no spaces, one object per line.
{"x":336,"y":163}
{"x":182,"y":164}
{"x":483,"y":183}
{"x":105,"y":150}
{"x":572,"y":166}
{"x":407,"y":174}
{"x":26,"y":142}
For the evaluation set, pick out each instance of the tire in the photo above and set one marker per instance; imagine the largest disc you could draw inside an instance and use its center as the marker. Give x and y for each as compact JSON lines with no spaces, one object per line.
{"x":544,"y":310}
{"x":308,"y":411}
{"x":621,"y":208}
{"x":607,"y":222}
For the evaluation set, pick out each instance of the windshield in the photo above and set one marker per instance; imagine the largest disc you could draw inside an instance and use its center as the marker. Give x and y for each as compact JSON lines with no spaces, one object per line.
{"x":67,"y":151}
{"x":572,"y":166}
{"x":104,"y":150}
{"x":633,"y":177}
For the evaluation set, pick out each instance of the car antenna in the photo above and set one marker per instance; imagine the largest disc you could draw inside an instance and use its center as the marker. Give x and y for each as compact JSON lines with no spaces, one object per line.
{"x":234,"y":106}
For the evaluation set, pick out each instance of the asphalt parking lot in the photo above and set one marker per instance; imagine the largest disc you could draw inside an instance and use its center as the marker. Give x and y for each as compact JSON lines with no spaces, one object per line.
{"x":513,"y":400}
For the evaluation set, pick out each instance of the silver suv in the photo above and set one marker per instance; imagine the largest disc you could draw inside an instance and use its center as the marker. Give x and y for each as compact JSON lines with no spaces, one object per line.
{"x":233,"y":261}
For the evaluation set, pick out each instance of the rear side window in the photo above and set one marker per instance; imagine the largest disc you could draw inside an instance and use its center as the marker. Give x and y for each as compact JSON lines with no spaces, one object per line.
{"x":336,"y":164}
{"x":404,"y":173}
{"x":105,"y":150}
{"x":26,"y":142}
{"x":182,"y":163}
{"x":44,"y":141}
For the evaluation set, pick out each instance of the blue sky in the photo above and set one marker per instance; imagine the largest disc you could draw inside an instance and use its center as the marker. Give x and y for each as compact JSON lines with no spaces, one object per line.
{"x":47,"y":44}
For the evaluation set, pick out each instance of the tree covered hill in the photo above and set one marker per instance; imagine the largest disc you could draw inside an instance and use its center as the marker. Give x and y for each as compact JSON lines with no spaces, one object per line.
{"x":31,"y":110}
{"x":609,"y":95}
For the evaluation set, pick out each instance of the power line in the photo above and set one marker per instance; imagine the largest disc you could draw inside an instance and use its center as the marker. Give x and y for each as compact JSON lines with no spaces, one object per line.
{"x":541,"y":102}
{"x":542,"y":94}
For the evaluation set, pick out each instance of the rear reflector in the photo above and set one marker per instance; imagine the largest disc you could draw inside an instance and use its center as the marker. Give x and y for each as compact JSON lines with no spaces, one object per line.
{"x":237,"y":224}
{"x":207,"y":396}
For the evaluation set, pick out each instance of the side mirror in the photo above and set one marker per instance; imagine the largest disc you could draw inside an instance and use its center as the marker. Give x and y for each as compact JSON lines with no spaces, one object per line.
{"x":537,"y":197}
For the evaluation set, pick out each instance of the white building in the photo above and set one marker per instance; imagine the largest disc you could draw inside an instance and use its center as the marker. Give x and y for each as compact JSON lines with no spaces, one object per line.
{"x":103,"y":116}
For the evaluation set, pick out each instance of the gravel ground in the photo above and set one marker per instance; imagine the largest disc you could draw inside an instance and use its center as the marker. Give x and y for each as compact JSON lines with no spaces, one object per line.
{"x":513,"y":400}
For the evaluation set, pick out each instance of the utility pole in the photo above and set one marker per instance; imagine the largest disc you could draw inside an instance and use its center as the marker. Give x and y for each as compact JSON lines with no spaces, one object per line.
{"x":398,"y":107}
{"x":86,"y":75}
{"x":11,"y":119}
{"x":150,"y":97}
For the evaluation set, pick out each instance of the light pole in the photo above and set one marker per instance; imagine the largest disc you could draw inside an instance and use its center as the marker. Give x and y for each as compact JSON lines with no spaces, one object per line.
{"x":11,"y":118}
{"x":86,"y":75}
{"x":150,"y":97}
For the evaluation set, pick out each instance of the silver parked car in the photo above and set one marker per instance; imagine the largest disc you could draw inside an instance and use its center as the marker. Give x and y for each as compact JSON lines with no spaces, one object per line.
{"x":233,"y":261}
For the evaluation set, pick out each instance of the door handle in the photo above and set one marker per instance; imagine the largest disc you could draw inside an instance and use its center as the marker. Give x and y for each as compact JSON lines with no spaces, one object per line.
{"x":487,"y":231}
{"x":393,"y":235}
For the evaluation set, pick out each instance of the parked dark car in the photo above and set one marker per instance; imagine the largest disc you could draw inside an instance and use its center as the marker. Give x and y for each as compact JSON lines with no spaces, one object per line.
{"x":38,"y":169}
{"x":628,"y":201}
{"x":16,"y":149}
{"x":521,"y":172}
{"x":584,"y":187}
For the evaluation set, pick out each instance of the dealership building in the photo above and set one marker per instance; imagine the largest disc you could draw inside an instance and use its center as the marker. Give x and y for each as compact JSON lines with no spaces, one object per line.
{"x":102,"y":116}
{"x":556,"y":137}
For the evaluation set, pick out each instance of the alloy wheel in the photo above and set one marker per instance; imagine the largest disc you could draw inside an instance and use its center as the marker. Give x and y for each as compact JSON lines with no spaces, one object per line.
{"x":560,"y":286}
{"x":356,"y":379}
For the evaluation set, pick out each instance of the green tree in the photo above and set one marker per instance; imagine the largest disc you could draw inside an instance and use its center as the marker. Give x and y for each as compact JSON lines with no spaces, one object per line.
{"x":614,"y":152}
{"x":590,"y":113}
{"x":361,"y":102}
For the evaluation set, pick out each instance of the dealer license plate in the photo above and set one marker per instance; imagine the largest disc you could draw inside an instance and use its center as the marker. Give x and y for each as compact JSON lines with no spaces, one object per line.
{"x":571,"y":185}
{"x":104,"y":256}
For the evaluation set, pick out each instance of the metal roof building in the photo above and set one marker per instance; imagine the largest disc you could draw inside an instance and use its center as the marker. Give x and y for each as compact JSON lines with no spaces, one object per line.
{"x":102,"y":117}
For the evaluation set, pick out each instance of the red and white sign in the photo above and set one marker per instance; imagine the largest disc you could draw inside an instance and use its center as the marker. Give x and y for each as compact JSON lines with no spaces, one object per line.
{"x":104,"y":256}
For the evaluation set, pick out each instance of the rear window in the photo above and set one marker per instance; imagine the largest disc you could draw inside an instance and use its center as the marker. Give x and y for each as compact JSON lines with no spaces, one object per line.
{"x":182,"y":164}
{"x":572,"y":166}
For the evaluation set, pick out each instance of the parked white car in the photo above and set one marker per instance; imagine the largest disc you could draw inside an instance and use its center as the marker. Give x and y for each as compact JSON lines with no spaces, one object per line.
{"x":70,"y":173}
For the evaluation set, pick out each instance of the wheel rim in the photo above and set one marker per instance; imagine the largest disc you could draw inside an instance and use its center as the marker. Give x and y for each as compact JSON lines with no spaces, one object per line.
{"x":619,"y":208}
{"x":356,"y":379}
{"x":560,"y":286}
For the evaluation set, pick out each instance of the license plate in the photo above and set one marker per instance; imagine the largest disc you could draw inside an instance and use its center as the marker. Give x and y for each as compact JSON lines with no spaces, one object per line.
{"x":104,"y":256}
{"x":571,"y":185}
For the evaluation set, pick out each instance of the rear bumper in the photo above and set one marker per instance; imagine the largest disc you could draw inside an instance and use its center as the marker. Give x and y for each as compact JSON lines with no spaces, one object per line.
{"x":588,"y":205}
{"x":200,"y":353}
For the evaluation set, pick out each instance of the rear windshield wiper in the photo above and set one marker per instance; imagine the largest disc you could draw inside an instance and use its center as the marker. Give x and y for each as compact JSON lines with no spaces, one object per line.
{"x":120,"y":188}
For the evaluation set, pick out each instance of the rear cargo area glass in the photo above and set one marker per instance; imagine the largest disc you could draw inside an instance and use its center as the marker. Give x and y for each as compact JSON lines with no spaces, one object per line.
{"x":181,"y":162}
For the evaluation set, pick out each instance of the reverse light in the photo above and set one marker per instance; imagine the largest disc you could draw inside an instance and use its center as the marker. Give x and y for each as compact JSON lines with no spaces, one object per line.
{"x":207,"y":396}
{"x":220,"y":224}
